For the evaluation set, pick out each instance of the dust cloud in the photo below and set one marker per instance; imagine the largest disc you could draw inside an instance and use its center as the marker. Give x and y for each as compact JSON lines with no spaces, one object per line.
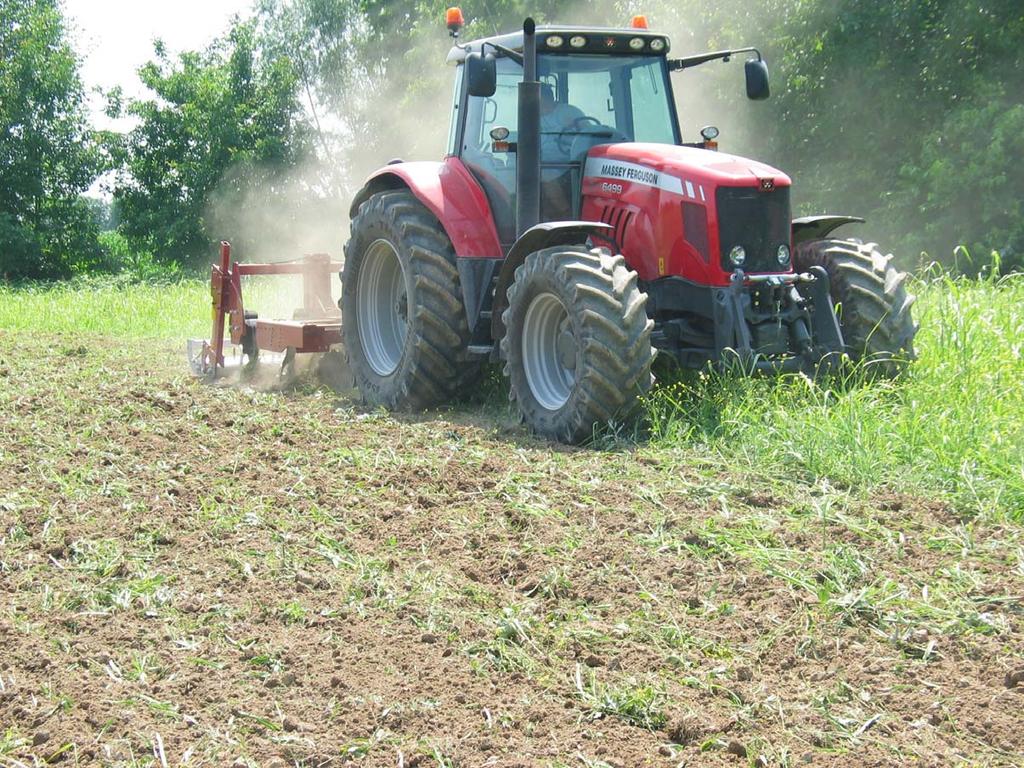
{"x":269,"y":217}
{"x":273,"y":217}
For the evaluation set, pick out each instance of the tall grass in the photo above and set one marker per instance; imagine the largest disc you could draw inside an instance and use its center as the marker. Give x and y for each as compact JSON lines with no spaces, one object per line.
{"x":110,"y":307}
{"x":170,"y":309}
{"x":951,"y":426}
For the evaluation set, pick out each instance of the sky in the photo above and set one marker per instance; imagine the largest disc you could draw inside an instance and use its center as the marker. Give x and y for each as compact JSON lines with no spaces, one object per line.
{"x":115,"y":37}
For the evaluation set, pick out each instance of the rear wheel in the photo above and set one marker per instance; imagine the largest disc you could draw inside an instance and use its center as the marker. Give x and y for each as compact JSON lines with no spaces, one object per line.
{"x":577,"y":342}
{"x":871,"y":301}
{"x":403,"y":320}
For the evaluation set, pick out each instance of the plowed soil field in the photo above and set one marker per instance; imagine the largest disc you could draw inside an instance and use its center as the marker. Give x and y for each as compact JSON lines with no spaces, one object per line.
{"x":220,"y":576}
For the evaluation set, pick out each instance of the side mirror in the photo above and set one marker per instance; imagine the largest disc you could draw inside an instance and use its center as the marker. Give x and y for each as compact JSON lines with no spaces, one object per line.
{"x":757,"y":79}
{"x":481,"y":74}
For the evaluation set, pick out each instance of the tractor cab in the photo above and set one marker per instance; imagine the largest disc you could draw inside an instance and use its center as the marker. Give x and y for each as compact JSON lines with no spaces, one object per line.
{"x":597,"y":87}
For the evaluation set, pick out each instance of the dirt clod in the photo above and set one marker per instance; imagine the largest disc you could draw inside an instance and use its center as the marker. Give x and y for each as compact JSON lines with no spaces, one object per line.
{"x":58,"y":551}
{"x":1013,"y":679}
{"x":686,"y":729}
{"x":40,"y":737}
{"x":735,"y":747}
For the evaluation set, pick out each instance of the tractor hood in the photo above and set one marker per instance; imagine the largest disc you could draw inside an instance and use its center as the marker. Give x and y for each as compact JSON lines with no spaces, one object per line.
{"x":687,"y":171}
{"x":678,"y":211}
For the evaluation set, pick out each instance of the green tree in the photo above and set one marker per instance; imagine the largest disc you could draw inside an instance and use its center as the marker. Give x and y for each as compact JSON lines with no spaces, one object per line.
{"x":225,"y":126}
{"x":47,"y":154}
{"x":908,"y":111}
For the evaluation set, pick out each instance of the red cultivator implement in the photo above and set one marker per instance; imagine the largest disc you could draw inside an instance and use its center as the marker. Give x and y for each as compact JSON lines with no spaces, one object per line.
{"x":316,"y":327}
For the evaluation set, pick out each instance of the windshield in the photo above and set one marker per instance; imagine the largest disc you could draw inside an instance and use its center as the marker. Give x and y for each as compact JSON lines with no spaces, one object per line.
{"x":627,"y":93}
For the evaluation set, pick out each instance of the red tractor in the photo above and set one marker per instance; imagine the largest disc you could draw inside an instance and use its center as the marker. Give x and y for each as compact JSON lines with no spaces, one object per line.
{"x":573,"y":234}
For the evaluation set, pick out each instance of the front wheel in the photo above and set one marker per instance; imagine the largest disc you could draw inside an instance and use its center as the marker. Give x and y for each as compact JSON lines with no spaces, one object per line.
{"x":871,"y":301}
{"x":577,"y":341}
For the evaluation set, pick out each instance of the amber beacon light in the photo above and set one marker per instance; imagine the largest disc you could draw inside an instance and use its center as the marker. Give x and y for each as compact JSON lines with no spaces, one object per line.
{"x":639,"y":22}
{"x":455,"y":20}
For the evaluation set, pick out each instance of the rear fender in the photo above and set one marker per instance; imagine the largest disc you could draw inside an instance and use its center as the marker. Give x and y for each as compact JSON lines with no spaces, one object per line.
{"x":534,"y":239}
{"x":818,"y":227}
{"x":448,"y":191}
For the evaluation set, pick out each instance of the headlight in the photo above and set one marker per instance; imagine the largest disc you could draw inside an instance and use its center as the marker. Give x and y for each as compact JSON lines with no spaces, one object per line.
{"x":657,"y":44}
{"x":554,"y":41}
{"x":577,"y":41}
{"x":636,"y":43}
{"x":782,"y":255}
{"x":737,"y":256}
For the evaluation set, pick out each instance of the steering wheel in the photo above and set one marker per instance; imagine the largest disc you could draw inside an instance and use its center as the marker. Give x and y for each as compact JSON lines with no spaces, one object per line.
{"x":567,"y":137}
{"x":582,"y":143}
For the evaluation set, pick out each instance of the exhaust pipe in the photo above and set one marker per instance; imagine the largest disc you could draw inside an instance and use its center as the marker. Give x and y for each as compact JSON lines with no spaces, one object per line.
{"x":528,"y":150}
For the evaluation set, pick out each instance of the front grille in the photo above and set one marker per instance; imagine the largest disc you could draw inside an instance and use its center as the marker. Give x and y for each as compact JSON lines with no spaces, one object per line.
{"x":759,"y":221}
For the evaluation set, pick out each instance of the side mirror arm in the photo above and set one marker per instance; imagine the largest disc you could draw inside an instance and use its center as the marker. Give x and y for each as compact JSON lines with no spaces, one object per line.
{"x":516,"y":57}
{"x":692,"y":61}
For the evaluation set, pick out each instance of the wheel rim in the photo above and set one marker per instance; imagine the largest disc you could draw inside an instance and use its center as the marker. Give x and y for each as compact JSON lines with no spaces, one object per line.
{"x":549,"y":351}
{"x":383,"y":307}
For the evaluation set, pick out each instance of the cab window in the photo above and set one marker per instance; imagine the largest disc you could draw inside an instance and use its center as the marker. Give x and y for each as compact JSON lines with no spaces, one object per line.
{"x":496,"y":171}
{"x":453,"y":130}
